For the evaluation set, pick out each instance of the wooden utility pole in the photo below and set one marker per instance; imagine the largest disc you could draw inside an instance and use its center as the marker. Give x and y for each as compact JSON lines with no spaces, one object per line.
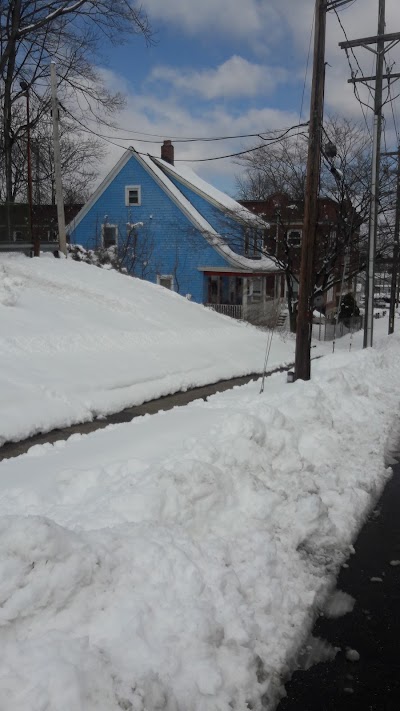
{"x":57,"y":162}
{"x":306,"y":282}
{"x":395,"y":265}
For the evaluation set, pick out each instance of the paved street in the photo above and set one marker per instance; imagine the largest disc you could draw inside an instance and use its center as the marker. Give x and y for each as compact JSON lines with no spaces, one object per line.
{"x":372,"y":628}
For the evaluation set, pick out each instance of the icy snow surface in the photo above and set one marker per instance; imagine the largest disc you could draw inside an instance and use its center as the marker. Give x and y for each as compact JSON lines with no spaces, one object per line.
{"x":176,"y":562}
{"x":77,"y":342}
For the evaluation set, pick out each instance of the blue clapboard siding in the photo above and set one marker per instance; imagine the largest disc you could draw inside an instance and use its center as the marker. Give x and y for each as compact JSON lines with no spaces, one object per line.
{"x":220,"y":221}
{"x":167,"y":243}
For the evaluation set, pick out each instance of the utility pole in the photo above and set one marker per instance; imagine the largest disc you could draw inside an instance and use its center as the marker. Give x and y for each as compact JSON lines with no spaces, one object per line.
{"x":381,"y":48}
{"x":36,"y":149}
{"x":306,"y":282}
{"x":57,"y":162}
{"x":376,"y":161}
{"x":395,"y":264}
{"x":306,"y":286}
{"x":33,"y":237}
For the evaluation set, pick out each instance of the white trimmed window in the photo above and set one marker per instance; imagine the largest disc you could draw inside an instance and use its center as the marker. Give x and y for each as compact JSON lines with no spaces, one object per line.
{"x":21,"y":234}
{"x":109,"y":235}
{"x":294,"y":238}
{"x":166,"y":280}
{"x":133,"y":195}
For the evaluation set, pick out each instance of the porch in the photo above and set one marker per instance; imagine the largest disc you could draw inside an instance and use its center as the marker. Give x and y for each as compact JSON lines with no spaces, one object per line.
{"x":253,"y":297}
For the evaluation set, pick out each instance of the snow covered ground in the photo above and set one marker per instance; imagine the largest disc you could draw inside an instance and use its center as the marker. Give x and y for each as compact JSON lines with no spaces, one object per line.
{"x":77,"y":342}
{"x":176,"y":562}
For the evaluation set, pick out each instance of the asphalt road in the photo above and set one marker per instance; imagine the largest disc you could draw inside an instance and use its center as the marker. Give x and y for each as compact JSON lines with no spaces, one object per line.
{"x":372,"y":628}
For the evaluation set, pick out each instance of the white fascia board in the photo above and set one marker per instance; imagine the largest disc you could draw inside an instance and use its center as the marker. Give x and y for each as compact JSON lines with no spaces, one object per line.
{"x":99,"y":191}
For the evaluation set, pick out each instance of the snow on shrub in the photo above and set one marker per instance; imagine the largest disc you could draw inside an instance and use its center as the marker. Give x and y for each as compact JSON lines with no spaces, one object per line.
{"x":10,"y":288}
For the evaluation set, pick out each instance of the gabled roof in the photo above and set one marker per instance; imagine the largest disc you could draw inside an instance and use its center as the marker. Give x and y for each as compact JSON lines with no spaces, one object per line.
{"x":160,"y":172}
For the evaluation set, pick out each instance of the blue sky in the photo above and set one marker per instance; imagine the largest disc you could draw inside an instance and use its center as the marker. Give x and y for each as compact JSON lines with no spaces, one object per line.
{"x":223,"y":67}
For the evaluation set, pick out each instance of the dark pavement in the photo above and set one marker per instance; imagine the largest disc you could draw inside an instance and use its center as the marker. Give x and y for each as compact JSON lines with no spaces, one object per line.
{"x":372,"y":628}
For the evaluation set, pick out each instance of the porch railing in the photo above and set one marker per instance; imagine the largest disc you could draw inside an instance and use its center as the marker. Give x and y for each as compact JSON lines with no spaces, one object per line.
{"x":232,"y":310}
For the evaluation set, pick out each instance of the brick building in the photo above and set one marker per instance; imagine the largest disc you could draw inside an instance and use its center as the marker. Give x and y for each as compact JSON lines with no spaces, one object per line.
{"x":283,"y":238}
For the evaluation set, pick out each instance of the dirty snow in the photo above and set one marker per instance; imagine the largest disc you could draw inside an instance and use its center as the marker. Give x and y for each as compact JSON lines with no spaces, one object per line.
{"x":177,"y":562}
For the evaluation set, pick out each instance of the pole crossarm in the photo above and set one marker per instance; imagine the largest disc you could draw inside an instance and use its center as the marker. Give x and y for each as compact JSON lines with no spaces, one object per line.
{"x":354,"y":80}
{"x":393,"y":37}
{"x":333,"y":4}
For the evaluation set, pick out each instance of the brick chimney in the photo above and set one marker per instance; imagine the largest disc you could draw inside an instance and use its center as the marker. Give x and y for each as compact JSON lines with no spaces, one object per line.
{"x":167,"y":152}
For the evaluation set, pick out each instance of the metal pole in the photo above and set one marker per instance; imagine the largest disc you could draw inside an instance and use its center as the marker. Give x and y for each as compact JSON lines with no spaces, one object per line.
{"x":395,"y":265}
{"x":35,"y":243}
{"x":57,"y":163}
{"x":306,"y":286}
{"x":376,"y":157}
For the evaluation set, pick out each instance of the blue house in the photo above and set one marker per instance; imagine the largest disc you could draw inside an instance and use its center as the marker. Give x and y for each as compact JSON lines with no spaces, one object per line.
{"x":172,"y":228}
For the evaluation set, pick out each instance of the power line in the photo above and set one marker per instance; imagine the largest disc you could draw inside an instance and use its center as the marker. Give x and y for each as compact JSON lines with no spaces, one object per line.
{"x":353,"y":74}
{"x":307,"y":64}
{"x":176,"y":139}
{"x":272,"y":141}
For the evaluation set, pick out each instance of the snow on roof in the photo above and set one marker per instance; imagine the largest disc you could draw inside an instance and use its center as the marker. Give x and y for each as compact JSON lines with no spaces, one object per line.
{"x":188,"y":176}
{"x":264,"y":264}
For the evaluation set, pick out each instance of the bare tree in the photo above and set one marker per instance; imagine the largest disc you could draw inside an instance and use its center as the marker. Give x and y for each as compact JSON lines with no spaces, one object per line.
{"x":345,"y":183}
{"x":33,"y":32}
{"x":81,"y":156}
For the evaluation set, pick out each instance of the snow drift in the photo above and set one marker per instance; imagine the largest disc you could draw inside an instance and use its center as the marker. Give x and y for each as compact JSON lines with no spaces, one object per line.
{"x":176,"y":562}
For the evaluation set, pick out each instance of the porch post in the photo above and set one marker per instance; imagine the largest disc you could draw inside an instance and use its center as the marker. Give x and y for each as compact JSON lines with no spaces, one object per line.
{"x":264,"y":294}
{"x":244,"y":298}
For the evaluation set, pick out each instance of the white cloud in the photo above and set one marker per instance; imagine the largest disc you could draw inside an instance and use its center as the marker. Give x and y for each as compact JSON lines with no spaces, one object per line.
{"x":169,"y":118}
{"x":173,"y":115}
{"x":231,"y":17}
{"x":237,"y":77}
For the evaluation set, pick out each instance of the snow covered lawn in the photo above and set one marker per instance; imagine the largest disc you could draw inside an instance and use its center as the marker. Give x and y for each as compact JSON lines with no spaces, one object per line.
{"x":176,"y":562}
{"x":78,"y":342}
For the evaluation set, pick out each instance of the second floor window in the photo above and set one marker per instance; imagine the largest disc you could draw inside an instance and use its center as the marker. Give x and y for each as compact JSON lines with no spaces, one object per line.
{"x":133,"y":195}
{"x":294,"y":238}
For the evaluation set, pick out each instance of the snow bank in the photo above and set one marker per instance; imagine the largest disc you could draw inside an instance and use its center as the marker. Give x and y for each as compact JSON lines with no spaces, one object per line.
{"x":176,"y":562}
{"x":77,"y":342}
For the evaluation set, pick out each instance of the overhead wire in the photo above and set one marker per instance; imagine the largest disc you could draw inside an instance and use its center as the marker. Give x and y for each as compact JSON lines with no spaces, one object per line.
{"x":272,"y":141}
{"x":354,"y":74}
{"x":392,"y":103}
